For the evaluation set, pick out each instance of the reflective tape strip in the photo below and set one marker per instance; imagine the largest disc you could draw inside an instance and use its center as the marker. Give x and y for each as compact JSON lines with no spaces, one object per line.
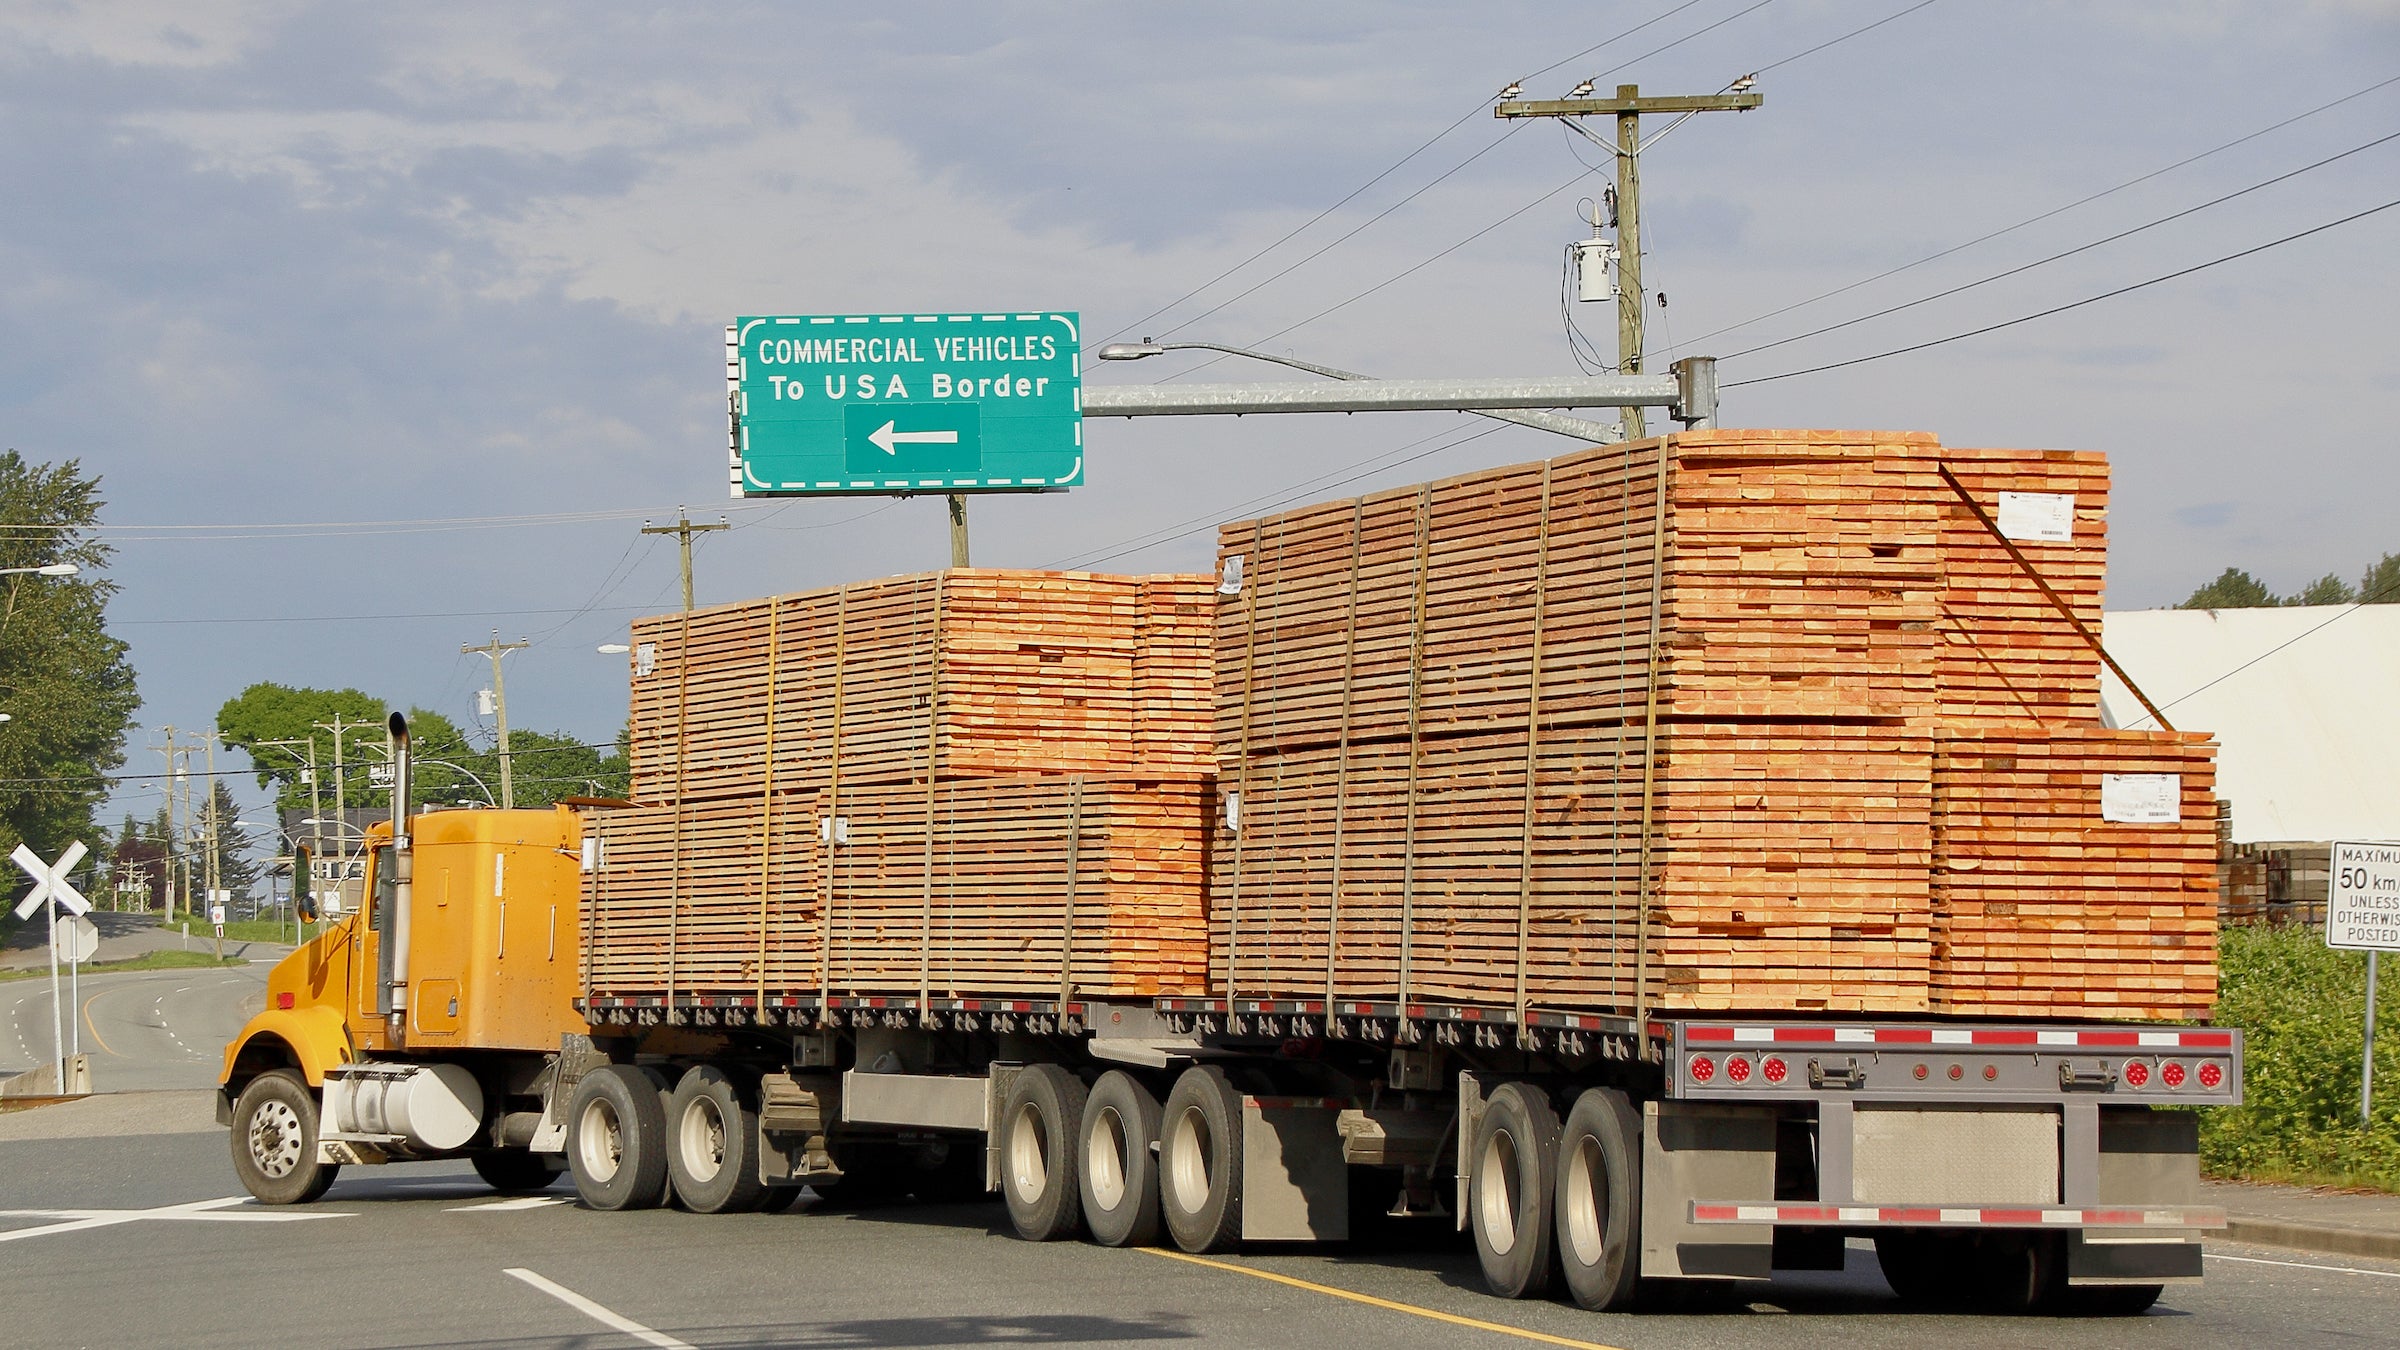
{"x":1935,"y":1216}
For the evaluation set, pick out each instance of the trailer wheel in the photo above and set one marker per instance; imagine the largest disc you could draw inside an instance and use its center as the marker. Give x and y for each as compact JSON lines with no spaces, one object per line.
{"x":1599,"y":1200}
{"x":1913,"y":1263}
{"x":712,"y":1144}
{"x":2110,"y":1300}
{"x":515,"y":1171}
{"x":1200,"y":1161}
{"x":617,"y":1139}
{"x":1037,"y":1153}
{"x":1515,"y":1167}
{"x":275,"y":1141}
{"x":1119,"y":1171}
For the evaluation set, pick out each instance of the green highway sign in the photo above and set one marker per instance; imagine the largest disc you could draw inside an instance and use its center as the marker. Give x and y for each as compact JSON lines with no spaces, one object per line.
{"x":888,"y":403}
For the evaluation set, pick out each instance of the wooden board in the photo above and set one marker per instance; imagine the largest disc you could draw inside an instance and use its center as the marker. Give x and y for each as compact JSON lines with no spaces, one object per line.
{"x":2006,"y":653}
{"x":1025,"y":887}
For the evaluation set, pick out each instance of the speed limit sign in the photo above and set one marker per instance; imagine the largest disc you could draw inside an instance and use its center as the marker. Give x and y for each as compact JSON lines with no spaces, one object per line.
{"x":2362,"y":909}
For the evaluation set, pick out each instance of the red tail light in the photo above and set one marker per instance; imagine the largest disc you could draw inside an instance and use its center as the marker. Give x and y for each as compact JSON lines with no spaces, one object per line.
{"x":1738,"y":1069}
{"x":2212,"y":1075}
{"x":2137,"y":1074}
{"x":1774,"y":1069}
{"x":1703,"y":1068}
{"x":2171,"y":1074}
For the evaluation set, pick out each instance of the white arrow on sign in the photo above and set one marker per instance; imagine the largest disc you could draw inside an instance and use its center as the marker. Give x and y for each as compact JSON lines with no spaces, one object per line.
{"x":50,"y":881}
{"x":886,"y":439}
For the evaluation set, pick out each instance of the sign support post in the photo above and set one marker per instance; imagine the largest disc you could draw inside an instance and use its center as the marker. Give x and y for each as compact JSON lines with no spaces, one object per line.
{"x":2362,"y":913}
{"x":50,"y":887}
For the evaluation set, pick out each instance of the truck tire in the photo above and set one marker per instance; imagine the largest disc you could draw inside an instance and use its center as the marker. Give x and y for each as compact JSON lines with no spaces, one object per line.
{"x":617,"y":1138}
{"x":1514,"y":1175}
{"x":1599,"y":1200}
{"x":712,"y":1144}
{"x":515,"y":1171}
{"x":2110,"y":1300}
{"x":1200,"y":1161}
{"x":1119,"y":1167}
{"x":275,"y":1140}
{"x":1037,"y":1153}
{"x":1919,"y":1266}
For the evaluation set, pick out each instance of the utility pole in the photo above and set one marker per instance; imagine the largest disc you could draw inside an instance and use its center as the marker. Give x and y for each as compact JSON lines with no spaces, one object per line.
{"x":316,"y":831}
{"x":495,"y":649}
{"x":208,"y":837}
{"x":958,"y":530}
{"x":341,"y":779}
{"x":1628,"y":107}
{"x":683,"y":529}
{"x":166,"y":899}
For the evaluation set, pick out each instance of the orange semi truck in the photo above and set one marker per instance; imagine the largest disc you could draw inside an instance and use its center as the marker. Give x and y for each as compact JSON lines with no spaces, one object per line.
{"x":2014,"y":1165}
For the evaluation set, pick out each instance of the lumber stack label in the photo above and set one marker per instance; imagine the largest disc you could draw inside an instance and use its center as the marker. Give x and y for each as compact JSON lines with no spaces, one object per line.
{"x":1788,"y":870}
{"x":969,"y":887}
{"x":2007,"y":653}
{"x":2075,"y":873}
{"x":973,"y":671}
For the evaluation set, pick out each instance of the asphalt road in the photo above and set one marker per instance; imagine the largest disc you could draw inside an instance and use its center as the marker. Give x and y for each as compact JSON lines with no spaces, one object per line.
{"x":131,"y":1245}
{"x":144,"y":1030}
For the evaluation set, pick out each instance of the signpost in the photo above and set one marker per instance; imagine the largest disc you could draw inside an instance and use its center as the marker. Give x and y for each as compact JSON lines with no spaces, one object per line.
{"x":51,"y":888}
{"x":2362,"y":913}
{"x":904,"y":403}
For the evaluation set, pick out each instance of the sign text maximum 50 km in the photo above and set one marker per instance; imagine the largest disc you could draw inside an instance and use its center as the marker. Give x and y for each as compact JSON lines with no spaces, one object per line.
{"x":882,"y":403}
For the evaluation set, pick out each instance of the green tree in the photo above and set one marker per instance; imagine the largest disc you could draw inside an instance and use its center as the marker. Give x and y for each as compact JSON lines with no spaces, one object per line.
{"x":64,"y":681}
{"x":2325,"y":590}
{"x":548,"y":768}
{"x":2381,"y":584}
{"x":265,"y":713}
{"x":2233,"y":589}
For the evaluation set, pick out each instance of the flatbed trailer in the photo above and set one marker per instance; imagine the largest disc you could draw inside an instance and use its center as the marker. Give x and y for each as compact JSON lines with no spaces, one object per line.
{"x":2014,"y":1165}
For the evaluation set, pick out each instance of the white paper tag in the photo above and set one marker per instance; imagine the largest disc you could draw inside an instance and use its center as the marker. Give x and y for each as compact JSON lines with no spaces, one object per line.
{"x":2141,"y":798}
{"x":2044,"y":517}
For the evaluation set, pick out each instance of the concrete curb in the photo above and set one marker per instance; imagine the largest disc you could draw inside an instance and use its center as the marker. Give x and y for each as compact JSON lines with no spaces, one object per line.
{"x":2313,"y":1237}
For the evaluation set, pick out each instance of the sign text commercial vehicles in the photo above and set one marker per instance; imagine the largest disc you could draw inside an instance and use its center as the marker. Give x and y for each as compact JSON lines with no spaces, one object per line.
{"x":2019,"y":1164}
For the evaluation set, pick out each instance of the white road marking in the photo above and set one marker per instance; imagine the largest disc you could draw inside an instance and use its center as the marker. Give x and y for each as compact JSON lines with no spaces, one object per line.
{"x":522,"y":1202}
{"x":2306,"y":1265}
{"x":198,"y":1209}
{"x":597,"y":1313}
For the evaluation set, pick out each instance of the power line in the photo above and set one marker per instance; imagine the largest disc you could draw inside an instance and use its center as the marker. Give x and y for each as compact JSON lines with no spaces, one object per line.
{"x":379,"y":618}
{"x":2054,"y":211}
{"x":2061,"y":309}
{"x":1835,"y":42}
{"x":1464,"y":118}
{"x":2068,"y":253}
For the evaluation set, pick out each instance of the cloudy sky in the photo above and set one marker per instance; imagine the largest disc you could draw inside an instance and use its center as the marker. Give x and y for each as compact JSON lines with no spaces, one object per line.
{"x":388,"y":326}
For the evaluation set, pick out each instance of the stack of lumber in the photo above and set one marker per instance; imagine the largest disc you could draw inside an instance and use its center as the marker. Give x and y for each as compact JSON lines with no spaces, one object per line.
{"x":969,"y":887}
{"x":2060,"y":891}
{"x":969,"y":671}
{"x":2006,"y":654}
{"x":1789,"y":870}
{"x":1795,"y":574}
{"x":993,"y":782}
{"x":1825,"y":607}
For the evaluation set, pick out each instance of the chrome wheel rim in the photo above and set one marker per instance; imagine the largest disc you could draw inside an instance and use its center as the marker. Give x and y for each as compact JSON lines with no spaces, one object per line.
{"x":275,"y":1135}
{"x":1028,"y":1155}
{"x":1585,"y":1202}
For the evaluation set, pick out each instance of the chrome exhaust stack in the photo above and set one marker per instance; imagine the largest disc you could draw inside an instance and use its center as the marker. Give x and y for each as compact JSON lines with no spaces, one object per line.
{"x":403,"y":870}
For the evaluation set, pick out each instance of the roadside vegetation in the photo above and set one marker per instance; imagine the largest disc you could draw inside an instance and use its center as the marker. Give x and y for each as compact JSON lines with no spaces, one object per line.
{"x":2303,"y":1007}
{"x":244,"y":930}
{"x":162,"y":960}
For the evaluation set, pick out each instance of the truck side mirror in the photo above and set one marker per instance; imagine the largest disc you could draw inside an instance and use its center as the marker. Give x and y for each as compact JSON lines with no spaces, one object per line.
{"x":304,"y":885}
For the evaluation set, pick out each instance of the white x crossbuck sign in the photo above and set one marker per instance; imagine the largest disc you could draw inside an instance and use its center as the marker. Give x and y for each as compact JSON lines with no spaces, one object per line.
{"x":50,"y":880}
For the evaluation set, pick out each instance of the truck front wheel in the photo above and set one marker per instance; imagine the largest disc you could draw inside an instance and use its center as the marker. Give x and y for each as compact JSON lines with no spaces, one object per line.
{"x":1120,"y":1163}
{"x":616,"y":1139}
{"x":1515,"y":1166}
{"x":1599,"y":1200}
{"x":1038,"y":1128}
{"x":712,"y":1138}
{"x":275,"y":1140}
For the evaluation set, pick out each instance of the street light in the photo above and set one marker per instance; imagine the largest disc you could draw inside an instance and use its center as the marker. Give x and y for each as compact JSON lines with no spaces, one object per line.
{"x":47,"y":570}
{"x":488,"y":800}
{"x":605,"y":649}
{"x":1596,"y":433}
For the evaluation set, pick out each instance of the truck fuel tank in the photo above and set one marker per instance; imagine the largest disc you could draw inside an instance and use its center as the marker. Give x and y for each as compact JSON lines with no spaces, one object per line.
{"x":431,"y":1107}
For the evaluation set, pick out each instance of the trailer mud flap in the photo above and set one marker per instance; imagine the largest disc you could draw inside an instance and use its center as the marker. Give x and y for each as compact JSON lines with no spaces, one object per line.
{"x":1695,"y":1150}
{"x":1295,"y":1186}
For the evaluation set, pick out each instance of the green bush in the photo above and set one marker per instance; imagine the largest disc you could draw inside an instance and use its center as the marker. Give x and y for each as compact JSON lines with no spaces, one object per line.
{"x":2303,"y":1007}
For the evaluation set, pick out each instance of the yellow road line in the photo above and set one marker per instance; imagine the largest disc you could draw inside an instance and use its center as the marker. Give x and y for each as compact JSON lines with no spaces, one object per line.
{"x":1497,"y":1328}
{"x":95,"y":1030}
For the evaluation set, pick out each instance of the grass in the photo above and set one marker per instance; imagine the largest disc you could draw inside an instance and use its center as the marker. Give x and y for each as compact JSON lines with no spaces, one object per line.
{"x":242,"y":930}
{"x":2303,"y":1007}
{"x":159,"y":960}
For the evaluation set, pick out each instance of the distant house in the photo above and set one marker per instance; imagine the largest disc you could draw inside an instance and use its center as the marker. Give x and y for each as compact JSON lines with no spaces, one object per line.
{"x":2305,"y":705}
